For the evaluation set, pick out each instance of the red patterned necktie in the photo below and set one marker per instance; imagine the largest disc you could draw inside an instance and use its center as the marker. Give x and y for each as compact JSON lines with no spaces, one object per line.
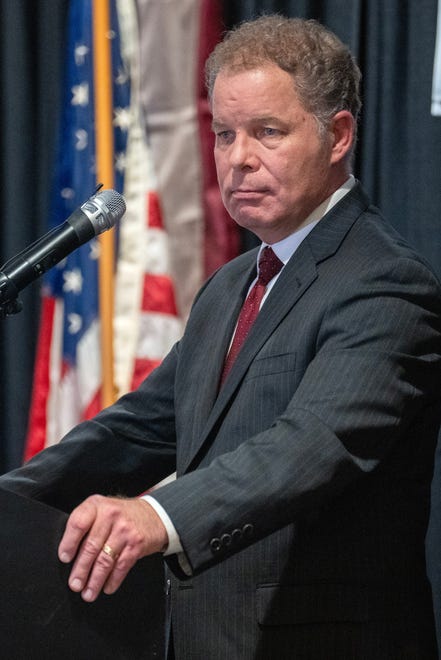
{"x":269,"y":266}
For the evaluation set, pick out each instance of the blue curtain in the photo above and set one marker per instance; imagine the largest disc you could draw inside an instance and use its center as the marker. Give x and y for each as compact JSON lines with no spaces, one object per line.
{"x":31,"y":61}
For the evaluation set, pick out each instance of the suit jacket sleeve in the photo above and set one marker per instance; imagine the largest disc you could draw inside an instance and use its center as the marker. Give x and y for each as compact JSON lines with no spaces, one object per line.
{"x":364,"y":398}
{"x":124,"y":450}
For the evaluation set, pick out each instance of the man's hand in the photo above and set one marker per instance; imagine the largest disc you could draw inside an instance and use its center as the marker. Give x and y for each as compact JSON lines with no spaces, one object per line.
{"x":128,"y":529}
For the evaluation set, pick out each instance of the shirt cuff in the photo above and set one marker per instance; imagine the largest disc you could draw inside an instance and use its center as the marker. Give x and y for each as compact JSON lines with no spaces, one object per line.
{"x":174,"y":544}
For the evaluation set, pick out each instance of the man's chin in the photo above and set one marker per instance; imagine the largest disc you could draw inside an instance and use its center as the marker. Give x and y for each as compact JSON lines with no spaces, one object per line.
{"x":264,"y":229}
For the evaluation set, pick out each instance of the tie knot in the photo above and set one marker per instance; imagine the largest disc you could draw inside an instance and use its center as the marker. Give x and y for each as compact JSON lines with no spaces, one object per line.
{"x":269,"y":265}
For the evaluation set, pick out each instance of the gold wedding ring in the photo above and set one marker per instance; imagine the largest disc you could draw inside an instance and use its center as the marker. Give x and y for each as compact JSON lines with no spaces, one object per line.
{"x":110,"y":552}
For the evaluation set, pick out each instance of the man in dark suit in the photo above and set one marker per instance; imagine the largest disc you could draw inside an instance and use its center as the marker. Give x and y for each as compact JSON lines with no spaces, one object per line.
{"x":296,"y":525}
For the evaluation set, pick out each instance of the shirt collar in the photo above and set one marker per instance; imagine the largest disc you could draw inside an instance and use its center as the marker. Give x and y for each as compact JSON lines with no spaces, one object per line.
{"x":285,"y":248}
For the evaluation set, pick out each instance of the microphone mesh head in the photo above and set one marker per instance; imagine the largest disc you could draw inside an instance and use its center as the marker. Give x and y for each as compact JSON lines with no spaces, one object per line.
{"x":104,"y":209}
{"x":115,"y":203}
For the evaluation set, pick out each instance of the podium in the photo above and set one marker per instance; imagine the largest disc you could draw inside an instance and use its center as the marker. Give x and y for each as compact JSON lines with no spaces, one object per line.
{"x":42,"y":619}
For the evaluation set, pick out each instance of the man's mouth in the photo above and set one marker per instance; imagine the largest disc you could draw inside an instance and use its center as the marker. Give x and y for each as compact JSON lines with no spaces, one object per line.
{"x":247,"y":193}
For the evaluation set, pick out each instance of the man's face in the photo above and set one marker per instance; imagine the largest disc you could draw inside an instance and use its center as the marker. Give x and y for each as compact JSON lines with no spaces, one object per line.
{"x":273,"y":166}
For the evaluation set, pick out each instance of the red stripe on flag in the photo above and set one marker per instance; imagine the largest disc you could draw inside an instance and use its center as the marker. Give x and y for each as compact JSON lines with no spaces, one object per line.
{"x":142,"y":368}
{"x":94,"y":406}
{"x":36,"y":437}
{"x":154,"y":219}
{"x":158,"y":295}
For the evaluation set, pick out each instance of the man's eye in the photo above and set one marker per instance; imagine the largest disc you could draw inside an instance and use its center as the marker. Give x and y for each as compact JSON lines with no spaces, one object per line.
{"x":268,"y":131}
{"x":224,"y":136}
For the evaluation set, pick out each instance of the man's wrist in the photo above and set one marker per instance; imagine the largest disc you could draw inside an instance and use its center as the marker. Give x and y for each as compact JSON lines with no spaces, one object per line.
{"x":173,"y":544}
{"x":159,"y":530}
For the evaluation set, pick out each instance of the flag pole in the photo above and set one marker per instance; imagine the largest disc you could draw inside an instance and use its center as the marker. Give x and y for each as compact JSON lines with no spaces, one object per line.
{"x":104,"y":165}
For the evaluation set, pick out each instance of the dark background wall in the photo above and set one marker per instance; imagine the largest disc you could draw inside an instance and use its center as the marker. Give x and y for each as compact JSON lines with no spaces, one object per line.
{"x":31,"y":60}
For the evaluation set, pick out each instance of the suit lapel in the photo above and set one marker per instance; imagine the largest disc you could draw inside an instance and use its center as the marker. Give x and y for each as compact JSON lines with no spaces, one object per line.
{"x":223,"y":313}
{"x":294,"y":281}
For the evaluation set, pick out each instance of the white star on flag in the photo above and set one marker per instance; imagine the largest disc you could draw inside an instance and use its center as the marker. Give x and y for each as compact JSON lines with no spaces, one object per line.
{"x":75,"y":323}
{"x":123,"y":118}
{"x":122,"y":77}
{"x":73,"y":281}
{"x":82,"y":139}
{"x":80,"y":94}
{"x":95,"y":249}
{"x":120,"y":161}
{"x":67,"y":193}
{"x":80,"y":53}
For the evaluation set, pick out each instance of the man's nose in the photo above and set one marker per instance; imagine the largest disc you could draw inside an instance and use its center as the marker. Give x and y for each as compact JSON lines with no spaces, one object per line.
{"x":242,"y":152}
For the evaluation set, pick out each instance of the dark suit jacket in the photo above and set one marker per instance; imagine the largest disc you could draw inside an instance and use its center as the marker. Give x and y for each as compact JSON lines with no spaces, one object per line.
{"x":303,"y":492}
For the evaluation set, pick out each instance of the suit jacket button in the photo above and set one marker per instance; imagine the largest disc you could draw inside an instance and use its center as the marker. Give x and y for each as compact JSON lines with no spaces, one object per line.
{"x":215,"y":544}
{"x":248,"y":530}
{"x":236,"y":535}
{"x":226,"y":540}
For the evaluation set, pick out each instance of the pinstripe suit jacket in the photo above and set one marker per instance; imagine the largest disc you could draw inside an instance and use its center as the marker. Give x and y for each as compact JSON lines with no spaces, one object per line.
{"x":303,"y":492}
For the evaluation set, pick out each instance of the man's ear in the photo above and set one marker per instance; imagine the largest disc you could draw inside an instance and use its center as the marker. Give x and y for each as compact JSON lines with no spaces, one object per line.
{"x":342,"y":128}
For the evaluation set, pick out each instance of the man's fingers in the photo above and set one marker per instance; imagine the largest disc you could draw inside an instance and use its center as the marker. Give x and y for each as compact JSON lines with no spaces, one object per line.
{"x":91,"y":562}
{"x":121,"y":567}
{"x":106,"y":536}
{"x":78,"y":525}
{"x":91,"y":583}
{"x":109,"y":569}
{"x":84,"y":538}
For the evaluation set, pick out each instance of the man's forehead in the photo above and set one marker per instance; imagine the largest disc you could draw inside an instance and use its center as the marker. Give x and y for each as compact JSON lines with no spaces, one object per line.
{"x":230,"y":71}
{"x":260,"y":94}
{"x":254,"y":80}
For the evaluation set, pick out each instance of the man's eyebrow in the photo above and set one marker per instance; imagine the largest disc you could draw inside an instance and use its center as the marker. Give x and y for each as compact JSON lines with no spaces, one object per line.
{"x":215,"y":125}
{"x":267,"y":119}
{"x":273,"y":121}
{"x":260,"y":119}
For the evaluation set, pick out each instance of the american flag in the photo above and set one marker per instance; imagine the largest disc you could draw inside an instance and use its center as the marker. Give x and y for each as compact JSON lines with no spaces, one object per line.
{"x":68,"y":374}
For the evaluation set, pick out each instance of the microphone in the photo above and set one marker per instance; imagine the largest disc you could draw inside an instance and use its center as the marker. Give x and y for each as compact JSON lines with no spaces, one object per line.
{"x":98,"y":214}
